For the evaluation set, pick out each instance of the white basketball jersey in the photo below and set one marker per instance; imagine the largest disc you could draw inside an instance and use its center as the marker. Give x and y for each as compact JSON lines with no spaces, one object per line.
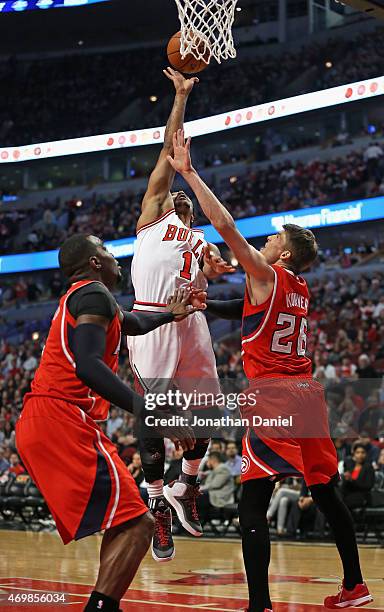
{"x":167,"y":256}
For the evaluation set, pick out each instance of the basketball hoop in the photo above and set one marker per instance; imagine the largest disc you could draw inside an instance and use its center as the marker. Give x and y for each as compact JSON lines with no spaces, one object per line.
{"x":206,"y":28}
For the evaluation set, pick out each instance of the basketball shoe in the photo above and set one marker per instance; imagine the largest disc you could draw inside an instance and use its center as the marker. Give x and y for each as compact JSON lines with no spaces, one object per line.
{"x":359,"y":596}
{"x":163,"y":548}
{"x":182,"y":497}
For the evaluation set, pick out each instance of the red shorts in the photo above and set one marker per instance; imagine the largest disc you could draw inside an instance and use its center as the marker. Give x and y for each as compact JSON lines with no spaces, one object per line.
{"x":299,"y":444}
{"x":77,"y":469}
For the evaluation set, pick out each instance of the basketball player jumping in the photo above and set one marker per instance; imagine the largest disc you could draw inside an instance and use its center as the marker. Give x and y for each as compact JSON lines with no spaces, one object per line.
{"x":274,"y":324}
{"x":170,"y":254}
{"x":76,"y":467}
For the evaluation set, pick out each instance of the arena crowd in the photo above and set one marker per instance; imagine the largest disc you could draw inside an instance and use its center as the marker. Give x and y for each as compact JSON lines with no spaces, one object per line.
{"x":82,"y":103}
{"x":279,"y":187}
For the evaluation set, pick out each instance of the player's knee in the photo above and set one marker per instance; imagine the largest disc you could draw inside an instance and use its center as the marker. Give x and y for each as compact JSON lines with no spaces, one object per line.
{"x":142,"y":527}
{"x":251,"y":516}
{"x":148,"y":526}
{"x":322,"y":489}
{"x":324,"y":495}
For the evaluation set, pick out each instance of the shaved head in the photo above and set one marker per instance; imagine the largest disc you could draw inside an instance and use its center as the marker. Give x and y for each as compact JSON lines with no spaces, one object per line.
{"x":75,"y":253}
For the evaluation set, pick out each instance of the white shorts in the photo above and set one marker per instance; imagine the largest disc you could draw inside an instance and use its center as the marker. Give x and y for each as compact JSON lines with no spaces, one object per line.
{"x":175,"y":355}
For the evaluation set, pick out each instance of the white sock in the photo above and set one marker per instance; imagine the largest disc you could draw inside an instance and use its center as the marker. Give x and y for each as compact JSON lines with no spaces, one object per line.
{"x":155,"y":489}
{"x":190,"y":467}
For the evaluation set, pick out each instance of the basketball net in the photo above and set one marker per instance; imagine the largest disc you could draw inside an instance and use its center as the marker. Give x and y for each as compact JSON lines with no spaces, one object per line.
{"x":206,"y":28}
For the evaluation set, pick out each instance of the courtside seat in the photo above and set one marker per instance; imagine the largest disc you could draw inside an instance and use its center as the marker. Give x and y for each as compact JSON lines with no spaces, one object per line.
{"x":14,"y":501}
{"x":374,"y":515}
{"x":221,"y":519}
{"x":34,"y":502}
{"x":2,"y":497}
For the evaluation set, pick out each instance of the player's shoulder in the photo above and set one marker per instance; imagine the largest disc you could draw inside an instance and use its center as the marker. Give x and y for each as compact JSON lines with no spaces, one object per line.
{"x":93,"y":298}
{"x":285,"y":273}
{"x":154,"y":221}
{"x":93,"y":287}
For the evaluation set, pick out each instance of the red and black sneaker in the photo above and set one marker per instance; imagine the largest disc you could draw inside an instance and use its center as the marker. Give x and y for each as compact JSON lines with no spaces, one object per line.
{"x":182,"y":497}
{"x":359,"y":596}
{"x":163,"y":548}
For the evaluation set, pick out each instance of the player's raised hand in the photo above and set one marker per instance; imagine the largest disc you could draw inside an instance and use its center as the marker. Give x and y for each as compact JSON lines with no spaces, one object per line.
{"x":179,"y":432}
{"x":198,"y":297}
{"x":216,"y":262}
{"x":182,"y":85}
{"x":180,"y":435}
{"x":181,"y":160}
{"x":179,"y":304}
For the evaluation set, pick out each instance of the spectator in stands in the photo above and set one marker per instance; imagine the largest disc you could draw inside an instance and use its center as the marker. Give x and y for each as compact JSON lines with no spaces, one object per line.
{"x":284,"y":495}
{"x":136,"y":470}
{"x":4,"y":463}
{"x":366,"y":373}
{"x":347,"y":370}
{"x":379,"y":464}
{"x":373,"y":416}
{"x":233,"y":462}
{"x":8,"y":427}
{"x":304,"y":515}
{"x":358,"y":478}
{"x":173,"y":470}
{"x":372,"y":155}
{"x":217,"y":446}
{"x":15,"y":466}
{"x":218,"y":487}
{"x":114,"y":422}
{"x":371,"y":449}
{"x":350,"y":394}
{"x":365,"y":369}
{"x":31,"y":362}
{"x":379,"y":308}
{"x":343,"y":449}
{"x":56,"y":285}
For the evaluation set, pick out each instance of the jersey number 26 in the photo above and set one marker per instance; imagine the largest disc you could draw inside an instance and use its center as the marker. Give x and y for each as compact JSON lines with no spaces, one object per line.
{"x":292,"y":325}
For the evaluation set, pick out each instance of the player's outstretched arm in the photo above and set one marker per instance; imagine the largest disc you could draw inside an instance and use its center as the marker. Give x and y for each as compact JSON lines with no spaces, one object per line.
{"x":223,"y":309}
{"x":88,"y":347}
{"x":157,"y":198}
{"x":226,"y":309}
{"x":249,"y":258}
{"x":140,"y":323}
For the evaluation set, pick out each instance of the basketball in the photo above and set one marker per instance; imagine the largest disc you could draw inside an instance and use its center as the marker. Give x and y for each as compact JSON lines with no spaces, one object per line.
{"x":189,"y":65}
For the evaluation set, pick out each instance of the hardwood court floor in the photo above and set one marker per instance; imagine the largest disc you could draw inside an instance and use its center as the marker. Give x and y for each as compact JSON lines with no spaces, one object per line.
{"x":205,"y":575}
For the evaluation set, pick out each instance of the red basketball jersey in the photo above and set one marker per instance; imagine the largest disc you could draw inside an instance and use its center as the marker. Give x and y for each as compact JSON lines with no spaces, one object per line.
{"x":56,"y":374}
{"x":274,"y":334}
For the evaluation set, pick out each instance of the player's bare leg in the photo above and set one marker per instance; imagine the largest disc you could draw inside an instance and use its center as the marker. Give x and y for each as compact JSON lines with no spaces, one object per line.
{"x":122,"y":550}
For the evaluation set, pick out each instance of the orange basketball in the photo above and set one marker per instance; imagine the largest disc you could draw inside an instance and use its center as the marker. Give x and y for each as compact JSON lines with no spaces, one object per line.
{"x":189,"y":64}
